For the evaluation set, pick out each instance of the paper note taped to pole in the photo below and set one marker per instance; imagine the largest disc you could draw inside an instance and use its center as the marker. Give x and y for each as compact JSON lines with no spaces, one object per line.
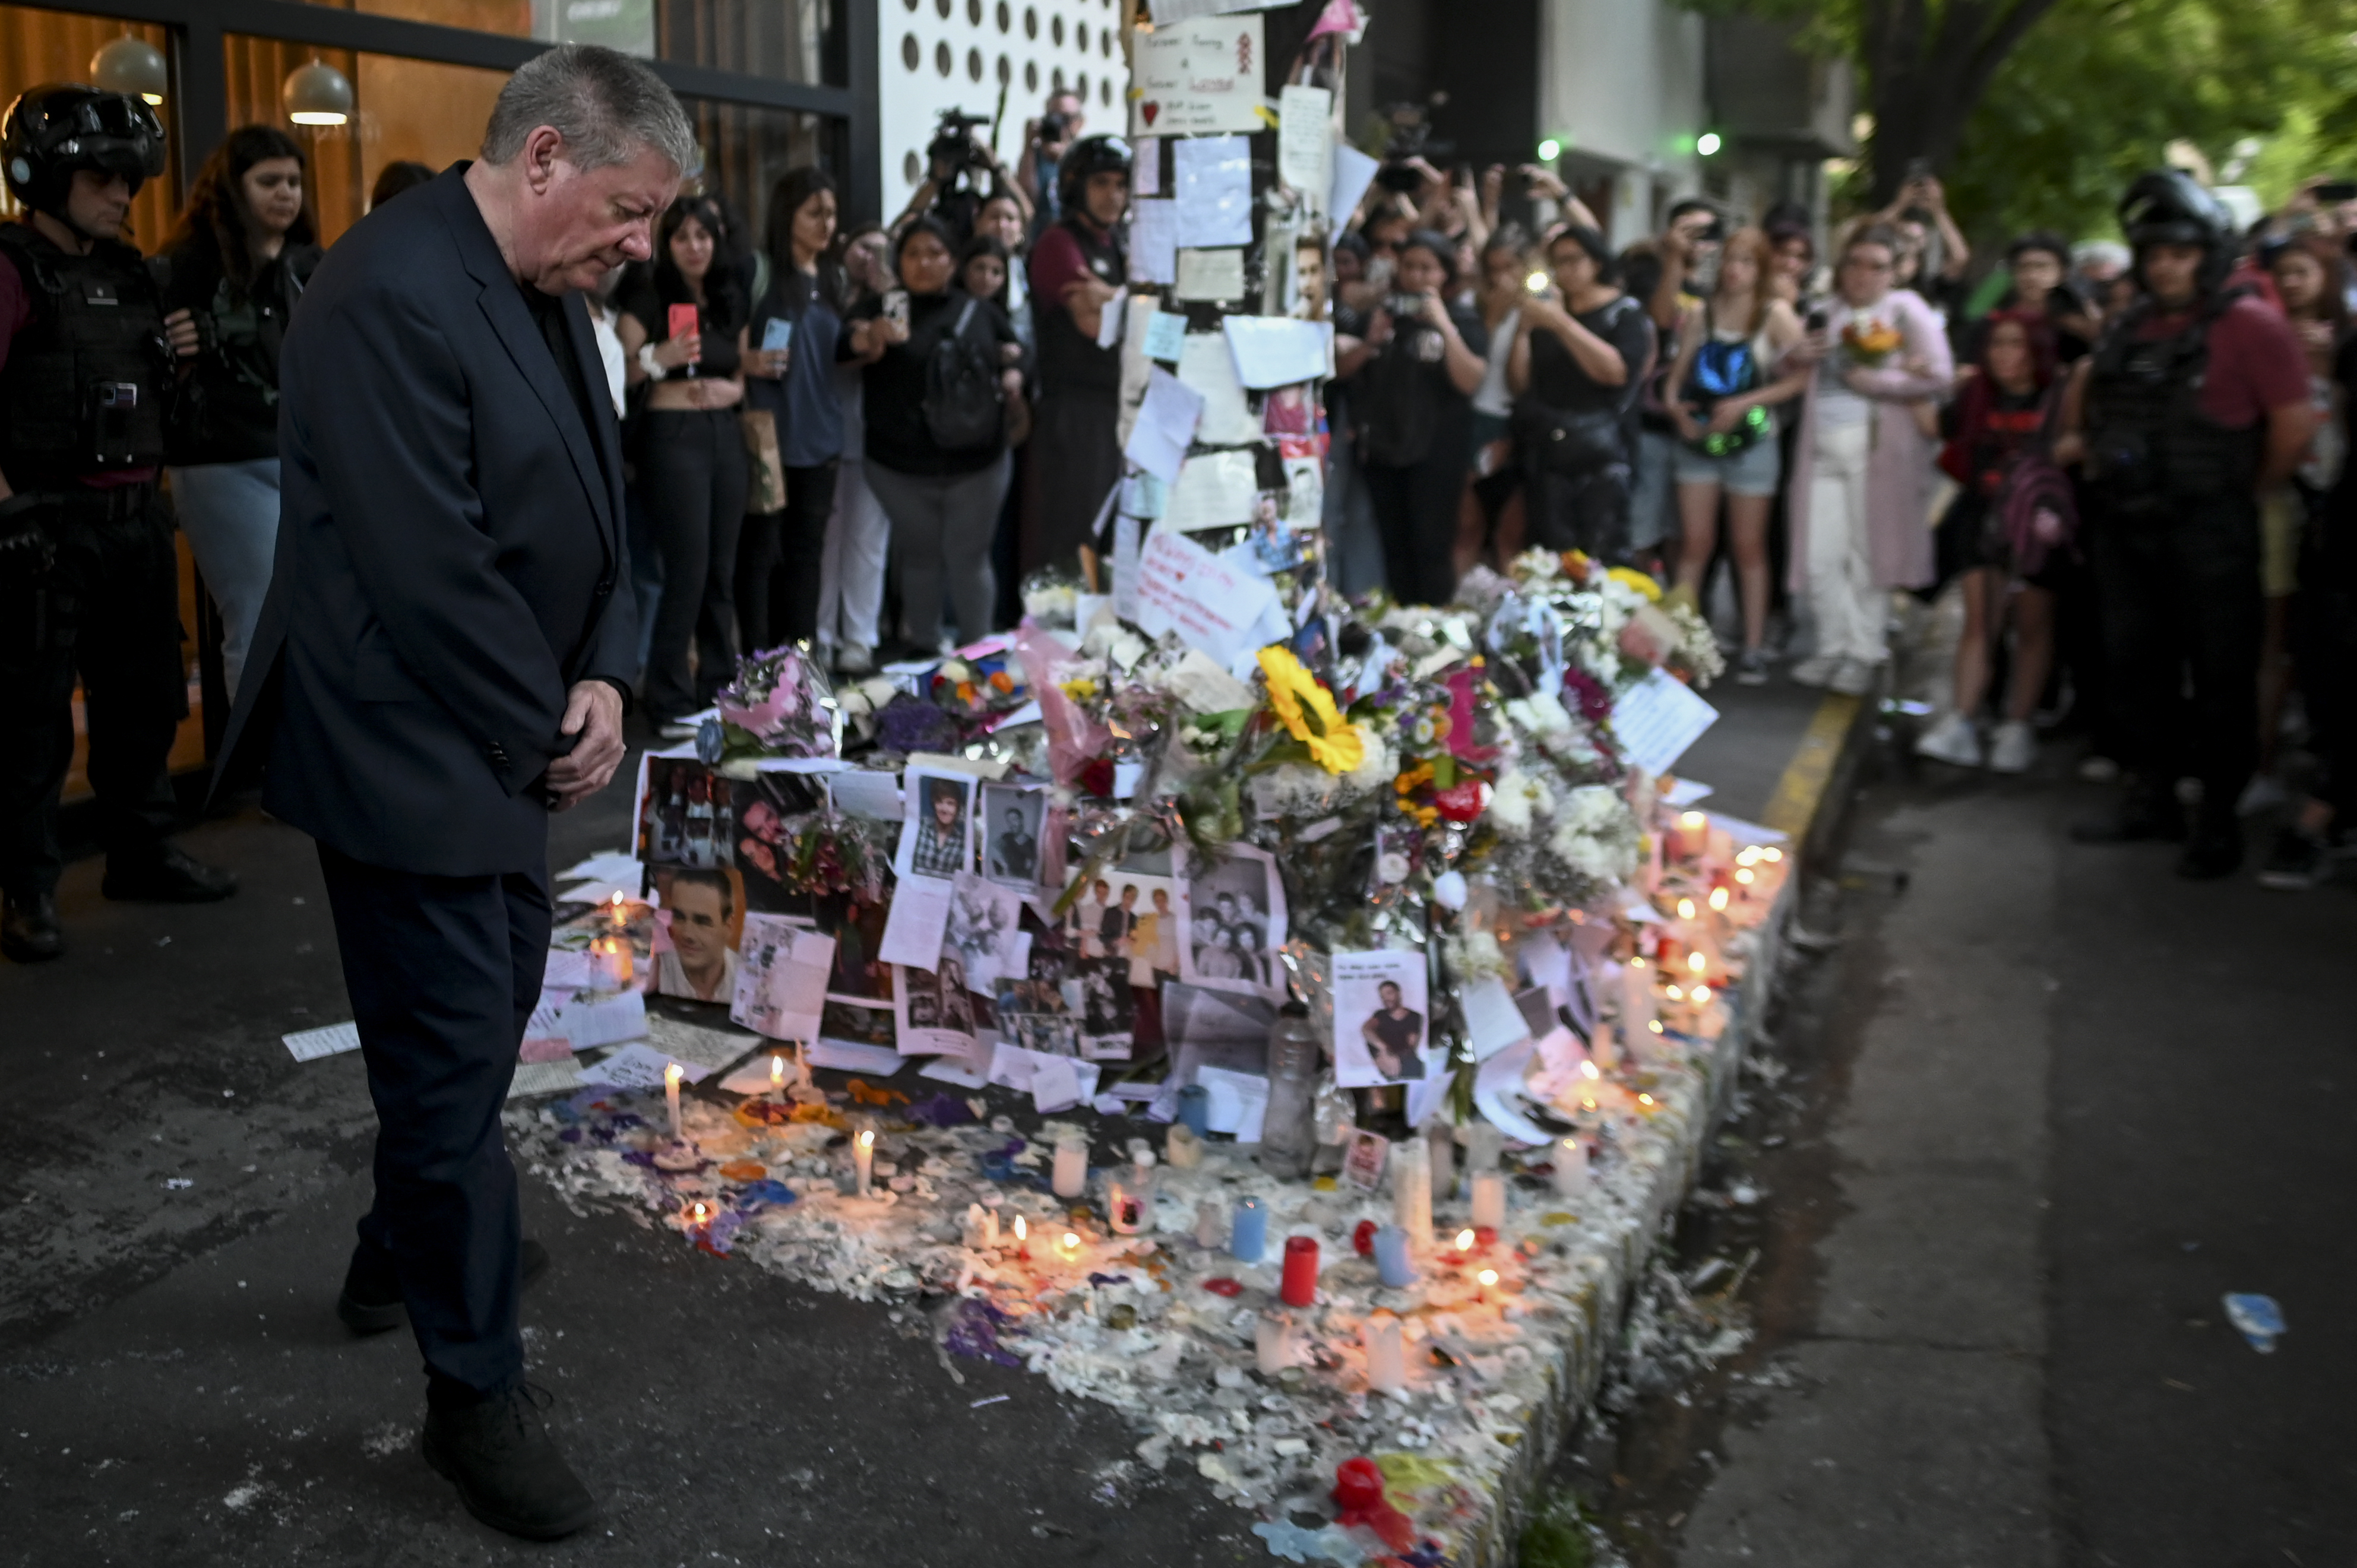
{"x":1657,"y":719}
{"x":1199,"y":75}
{"x":1183,"y":587}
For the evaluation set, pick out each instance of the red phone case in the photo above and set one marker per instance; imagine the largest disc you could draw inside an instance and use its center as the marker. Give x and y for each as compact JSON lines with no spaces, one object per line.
{"x":682,"y":321}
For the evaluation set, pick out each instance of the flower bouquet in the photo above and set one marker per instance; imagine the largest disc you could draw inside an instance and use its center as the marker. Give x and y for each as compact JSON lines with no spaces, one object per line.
{"x":1869,"y":343}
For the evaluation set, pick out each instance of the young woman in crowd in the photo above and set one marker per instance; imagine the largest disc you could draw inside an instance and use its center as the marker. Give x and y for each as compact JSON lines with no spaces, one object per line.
{"x":943,"y":501}
{"x":1490,"y":519}
{"x":777,"y":593}
{"x":2001,"y":415}
{"x":1729,"y":374}
{"x":851,"y":567}
{"x":1857,"y":493}
{"x":691,"y":447}
{"x":1576,"y":369}
{"x":1795,"y":258}
{"x":230,"y":275}
{"x":1001,"y":221}
{"x":2039,"y":264}
{"x":1417,"y":367}
{"x":2311,"y":277}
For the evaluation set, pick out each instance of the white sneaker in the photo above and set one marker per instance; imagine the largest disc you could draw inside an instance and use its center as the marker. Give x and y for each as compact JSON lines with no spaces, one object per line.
{"x":2265,"y":792}
{"x":2013,"y":748}
{"x":1952,"y":740}
{"x":1817,"y":670}
{"x":1855,"y":677}
{"x":856,"y":658}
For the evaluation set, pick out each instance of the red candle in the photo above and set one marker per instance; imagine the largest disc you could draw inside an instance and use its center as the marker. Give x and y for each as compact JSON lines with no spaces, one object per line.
{"x":1300,"y":1286}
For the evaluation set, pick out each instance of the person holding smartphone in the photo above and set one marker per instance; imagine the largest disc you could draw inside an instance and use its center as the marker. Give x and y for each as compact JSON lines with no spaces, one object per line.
{"x":682,"y":332}
{"x":792,"y":344}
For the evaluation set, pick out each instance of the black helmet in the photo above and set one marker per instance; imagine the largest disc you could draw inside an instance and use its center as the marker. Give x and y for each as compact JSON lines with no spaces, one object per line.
{"x":1089,"y":156}
{"x":2169,"y":207}
{"x":57,"y":127}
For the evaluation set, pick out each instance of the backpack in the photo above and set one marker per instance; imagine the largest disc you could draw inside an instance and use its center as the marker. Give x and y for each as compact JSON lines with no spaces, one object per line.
{"x":964,"y":405}
{"x":1724,"y":370}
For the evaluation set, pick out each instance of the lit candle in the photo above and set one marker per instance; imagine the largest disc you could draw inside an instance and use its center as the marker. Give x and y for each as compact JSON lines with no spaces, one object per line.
{"x":1465,"y":1240}
{"x":1570,"y":1169}
{"x":1692,"y":830}
{"x":1589,"y":1078}
{"x":1069,"y":1248}
{"x":1488,"y":1280}
{"x":1248,"y":1236}
{"x":1022,"y":1238}
{"x":1299,"y":1287}
{"x":1698,"y":963}
{"x":863,"y":1163}
{"x":1071,"y":1173}
{"x":672,"y":1073}
{"x":777,"y":1076}
{"x":1718,"y":900}
{"x":1771,"y":854}
{"x":1392,"y":1264}
{"x":698,"y":1214}
{"x":1273,"y":1342}
{"x":1636,"y":998}
{"x":1686,"y":908}
{"x":610,"y":962}
{"x":1440,"y":1142}
{"x":1601,"y":1047}
{"x":1489,"y":1199}
{"x":1412,"y":1188}
{"x":1386,"y":1357}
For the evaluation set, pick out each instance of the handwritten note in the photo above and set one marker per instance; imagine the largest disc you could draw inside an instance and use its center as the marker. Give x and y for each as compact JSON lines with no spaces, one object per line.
{"x":1657,"y":719}
{"x":1183,"y":587}
{"x":1272,"y":351}
{"x":1304,"y":136}
{"x":1166,"y":425}
{"x":1199,"y":75}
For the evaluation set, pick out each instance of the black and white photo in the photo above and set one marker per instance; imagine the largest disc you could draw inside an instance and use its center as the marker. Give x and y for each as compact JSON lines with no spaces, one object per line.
{"x":1231,"y":922}
{"x":1013,"y":827}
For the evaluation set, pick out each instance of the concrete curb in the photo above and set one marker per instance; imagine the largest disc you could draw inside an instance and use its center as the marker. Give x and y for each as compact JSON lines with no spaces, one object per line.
{"x":1810,"y":804}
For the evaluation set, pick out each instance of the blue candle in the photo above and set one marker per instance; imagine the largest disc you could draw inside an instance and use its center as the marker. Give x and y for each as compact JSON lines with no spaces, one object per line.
{"x":1249,"y":1239}
{"x":1195,"y":1109}
{"x":1391,"y":1257}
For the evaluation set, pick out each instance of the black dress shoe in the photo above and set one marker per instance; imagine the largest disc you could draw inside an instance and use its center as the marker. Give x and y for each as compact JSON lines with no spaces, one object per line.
{"x":167,"y":876}
{"x":29,"y":931}
{"x":370,"y":1301}
{"x":2214,"y":850}
{"x":2141,"y":817}
{"x":506,"y":1466}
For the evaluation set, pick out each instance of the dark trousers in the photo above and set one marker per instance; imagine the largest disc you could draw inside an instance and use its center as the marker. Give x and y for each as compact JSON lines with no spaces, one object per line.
{"x":443,"y":973}
{"x":777,"y":562}
{"x":1582,"y":511}
{"x":2181,"y":603}
{"x":1416,"y":517}
{"x":2324,"y":644}
{"x":692,"y":473}
{"x":107,"y":607}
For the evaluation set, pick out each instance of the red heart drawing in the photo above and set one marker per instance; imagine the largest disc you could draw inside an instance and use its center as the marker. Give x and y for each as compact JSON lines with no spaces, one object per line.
{"x":1149,"y":109}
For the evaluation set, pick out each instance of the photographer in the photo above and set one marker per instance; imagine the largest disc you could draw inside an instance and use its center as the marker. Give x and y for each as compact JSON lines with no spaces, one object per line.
{"x":1577,"y":362}
{"x":950,"y":191}
{"x":1933,"y":257}
{"x":1039,"y":173}
{"x":89,"y":582}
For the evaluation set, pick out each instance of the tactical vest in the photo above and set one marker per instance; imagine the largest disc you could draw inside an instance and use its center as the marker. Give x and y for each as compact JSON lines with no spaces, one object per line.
{"x":2148,"y":442}
{"x":82,"y":391}
{"x":1069,"y":358}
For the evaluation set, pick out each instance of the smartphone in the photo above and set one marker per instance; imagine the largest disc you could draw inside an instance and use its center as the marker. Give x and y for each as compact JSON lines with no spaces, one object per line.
{"x":776,"y":334}
{"x":1816,"y":322}
{"x":895,"y":306}
{"x":2337,"y":190}
{"x":683,"y":323}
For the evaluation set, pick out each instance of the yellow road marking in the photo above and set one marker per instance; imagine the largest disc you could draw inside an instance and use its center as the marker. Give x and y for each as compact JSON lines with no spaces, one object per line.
{"x":1794,"y":806}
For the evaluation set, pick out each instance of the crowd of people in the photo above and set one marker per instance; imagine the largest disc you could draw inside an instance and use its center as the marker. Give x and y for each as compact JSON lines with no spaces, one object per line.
{"x":925,"y":411}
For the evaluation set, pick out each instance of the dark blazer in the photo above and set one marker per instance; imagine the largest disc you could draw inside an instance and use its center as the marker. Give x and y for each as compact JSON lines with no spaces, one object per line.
{"x":449,"y":541}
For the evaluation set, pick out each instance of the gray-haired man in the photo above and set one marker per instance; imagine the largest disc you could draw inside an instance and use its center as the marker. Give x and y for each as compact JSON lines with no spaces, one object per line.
{"x":443,"y":661}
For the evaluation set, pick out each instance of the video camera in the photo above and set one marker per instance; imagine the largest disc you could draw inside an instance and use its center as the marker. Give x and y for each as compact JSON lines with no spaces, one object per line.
{"x":1413,"y":139}
{"x":1055,"y":129}
{"x":952,"y":150}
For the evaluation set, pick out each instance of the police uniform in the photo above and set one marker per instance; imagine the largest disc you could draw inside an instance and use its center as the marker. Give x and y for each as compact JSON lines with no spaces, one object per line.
{"x":89,"y":579}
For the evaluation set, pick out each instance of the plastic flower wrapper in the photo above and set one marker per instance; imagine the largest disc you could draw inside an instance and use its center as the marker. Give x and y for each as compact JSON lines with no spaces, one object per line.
{"x":1051,"y":600}
{"x":828,"y":853}
{"x":779,"y":704}
{"x":975,"y":691}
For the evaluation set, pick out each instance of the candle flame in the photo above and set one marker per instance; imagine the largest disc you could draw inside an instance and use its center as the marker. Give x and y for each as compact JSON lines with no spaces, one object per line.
{"x":618,"y":901}
{"x":1771,"y":855}
{"x":1686,"y":910}
{"x":1636,"y":963}
{"x":1654,"y":1025}
{"x":867,"y":1140}
{"x":1675,"y":994}
{"x":1587,"y":1069}
{"x":1644,"y":1099}
{"x":672,"y":1073}
{"x":1692,"y":821}
{"x":1587,"y":1104}
{"x":1071,"y":1241}
{"x":1488,"y":1277}
{"x":1571,"y":1147}
{"x":1718,"y":897}
{"x":1746,"y":856}
{"x":1745,"y":877}
{"x":1465,"y":1241}
{"x":776,"y":1067}
{"x":1702,"y":995}
{"x":1022,"y":1228}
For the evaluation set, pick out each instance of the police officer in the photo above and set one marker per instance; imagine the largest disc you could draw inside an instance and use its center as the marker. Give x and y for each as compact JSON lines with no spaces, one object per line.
{"x":88,"y":581}
{"x":1077,"y":264}
{"x":2194,"y":404}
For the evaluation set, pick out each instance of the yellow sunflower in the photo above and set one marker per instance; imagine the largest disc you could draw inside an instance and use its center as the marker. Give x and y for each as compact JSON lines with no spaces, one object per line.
{"x":1307,"y":711}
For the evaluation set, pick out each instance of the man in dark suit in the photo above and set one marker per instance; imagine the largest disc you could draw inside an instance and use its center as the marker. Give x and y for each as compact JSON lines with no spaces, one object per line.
{"x":442,"y":662}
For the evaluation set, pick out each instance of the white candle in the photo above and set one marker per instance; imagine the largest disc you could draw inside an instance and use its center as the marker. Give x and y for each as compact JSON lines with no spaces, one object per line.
{"x":1636,"y":1001}
{"x":1386,"y":1357}
{"x":1182,"y":1148}
{"x":777,"y":1074}
{"x":1601,"y":1047}
{"x":1489,"y":1199}
{"x":863,"y":1163}
{"x":1211,"y":1224}
{"x":672,"y":1073}
{"x":1273,"y":1343}
{"x":1412,"y":1188}
{"x":1070,"y":1177}
{"x":980,"y":1227}
{"x":1570,"y":1169}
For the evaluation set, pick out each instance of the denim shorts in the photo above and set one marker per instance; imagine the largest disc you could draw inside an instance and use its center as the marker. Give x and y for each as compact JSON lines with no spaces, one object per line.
{"x":1754,"y":471}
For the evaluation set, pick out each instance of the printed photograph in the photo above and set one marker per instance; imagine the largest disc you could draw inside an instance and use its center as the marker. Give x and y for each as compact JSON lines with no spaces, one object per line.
{"x":937,"y":835}
{"x":704,"y":912}
{"x":1013,"y":822}
{"x":1382,"y":1018}
{"x":1234,"y":923}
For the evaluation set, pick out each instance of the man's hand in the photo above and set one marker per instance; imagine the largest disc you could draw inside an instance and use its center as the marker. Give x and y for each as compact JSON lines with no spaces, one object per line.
{"x":180,"y":332}
{"x":593,"y":710}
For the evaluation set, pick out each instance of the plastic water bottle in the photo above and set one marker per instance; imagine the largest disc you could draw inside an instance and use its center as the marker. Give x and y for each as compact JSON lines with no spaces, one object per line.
{"x":1288,"y":1139}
